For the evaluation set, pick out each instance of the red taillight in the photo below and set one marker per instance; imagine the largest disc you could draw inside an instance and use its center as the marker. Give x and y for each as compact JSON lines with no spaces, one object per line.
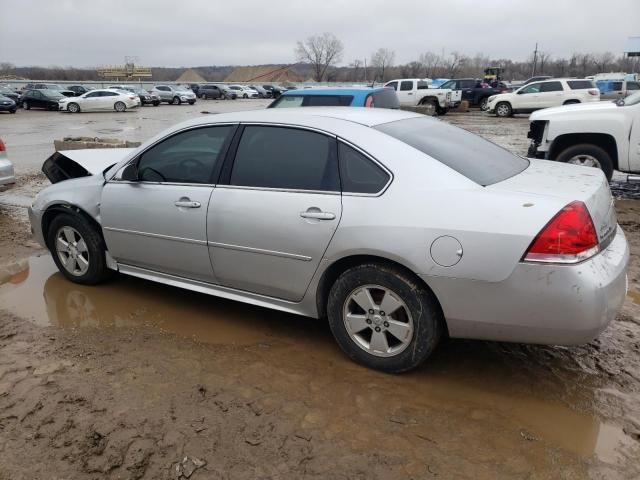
{"x":594,"y":91}
{"x":569,"y":237}
{"x":2,"y":146}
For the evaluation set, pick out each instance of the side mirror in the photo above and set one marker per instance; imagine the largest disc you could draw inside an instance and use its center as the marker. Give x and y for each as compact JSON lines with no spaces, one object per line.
{"x":520,"y":92}
{"x":130,"y":173}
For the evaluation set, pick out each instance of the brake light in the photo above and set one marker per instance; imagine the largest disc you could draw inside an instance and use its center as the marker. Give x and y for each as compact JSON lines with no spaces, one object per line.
{"x":3,"y":147}
{"x":569,"y":237}
{"x":593,"y":91}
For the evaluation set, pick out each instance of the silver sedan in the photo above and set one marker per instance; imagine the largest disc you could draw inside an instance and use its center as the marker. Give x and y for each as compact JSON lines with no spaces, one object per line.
{"x":398,"y":228}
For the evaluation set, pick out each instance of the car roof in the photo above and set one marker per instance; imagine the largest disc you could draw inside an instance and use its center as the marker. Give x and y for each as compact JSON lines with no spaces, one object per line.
{"x":333,"y":91}
{"x":308,"y":116}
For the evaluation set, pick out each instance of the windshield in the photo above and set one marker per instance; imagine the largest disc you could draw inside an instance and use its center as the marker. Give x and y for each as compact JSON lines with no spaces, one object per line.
{"x":451,"y":84}
{"x":471,"y":155}
{"x":632,"y":99}
{"x":54,"y":86}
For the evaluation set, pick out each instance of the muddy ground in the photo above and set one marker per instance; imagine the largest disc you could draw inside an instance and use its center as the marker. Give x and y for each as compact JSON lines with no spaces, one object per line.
{"x":137,"y":380}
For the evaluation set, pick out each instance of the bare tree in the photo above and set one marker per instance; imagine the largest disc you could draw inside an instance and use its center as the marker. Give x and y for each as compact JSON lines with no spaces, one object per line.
{"x":543,"y":59}
{"x":382,"y":60}
{"x":356,"y":65}
{"x":603,"y":61}
{"x":412,"y":70}
{"x":454,"y":63}
{"x":321,"y":51}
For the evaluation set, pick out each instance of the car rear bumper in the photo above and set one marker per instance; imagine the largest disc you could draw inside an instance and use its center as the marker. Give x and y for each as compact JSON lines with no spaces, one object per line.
{"x":7,"y":175}
{"x":546,"y":304}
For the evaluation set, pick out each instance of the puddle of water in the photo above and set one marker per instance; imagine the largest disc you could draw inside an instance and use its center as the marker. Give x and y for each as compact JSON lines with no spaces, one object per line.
{"x":476,"y":394}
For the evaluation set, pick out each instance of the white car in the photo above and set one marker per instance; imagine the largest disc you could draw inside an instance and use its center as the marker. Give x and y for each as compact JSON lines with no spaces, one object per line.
{"x":548,"y":93}
{"x":107,"y":99}
{"x":415,"y":91}
{"x":244,"y":92}
{"x":7,"y":174}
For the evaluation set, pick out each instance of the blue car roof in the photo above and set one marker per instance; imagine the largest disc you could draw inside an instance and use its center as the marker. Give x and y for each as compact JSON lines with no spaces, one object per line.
{"x":358,"y":93}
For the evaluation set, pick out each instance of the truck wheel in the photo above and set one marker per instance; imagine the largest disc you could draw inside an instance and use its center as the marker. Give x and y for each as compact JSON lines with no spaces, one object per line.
{"x":588,"y":155}
{"x":503,"y":109}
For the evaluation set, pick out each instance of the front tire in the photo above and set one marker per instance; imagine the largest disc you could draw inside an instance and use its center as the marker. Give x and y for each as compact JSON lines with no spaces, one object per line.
{"x":504,"y":110}
{"x":588,"y":155}
{"x":119,"y":107}
{"x":383,"y":318}
{"x":78,"y":250}
{"x":155,"y":104}
{"x":176,"y":101}
{"x":26,"y":105}
{"x":191,"y":102}
{"x":483,"y":103}
{"x":73,"y":108}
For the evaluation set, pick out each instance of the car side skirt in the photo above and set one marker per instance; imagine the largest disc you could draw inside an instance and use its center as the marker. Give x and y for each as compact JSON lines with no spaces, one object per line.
{"x":216,"y":290}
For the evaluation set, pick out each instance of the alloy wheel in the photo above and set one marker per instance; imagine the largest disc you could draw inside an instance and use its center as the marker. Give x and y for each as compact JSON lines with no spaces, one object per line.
{"x":584,"y":161}
{"x":378,"y":321}
{"x":72,"y":251}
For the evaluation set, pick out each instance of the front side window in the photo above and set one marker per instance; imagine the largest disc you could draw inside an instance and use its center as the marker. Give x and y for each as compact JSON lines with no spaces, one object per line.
{"x":393,"y":85}
{"x":92,"y":94}
{"x":187,"y":157}
{"x":551,"y":87}
{"x":451,"y":85}
{"x":406,"y":85}
{"x":287,"y":158}
{"x":359,"y":174}
{"x":633,"y":86}
{"x":531,"y":88}
{"x":617,"y":86}
{"x":327,"y":100}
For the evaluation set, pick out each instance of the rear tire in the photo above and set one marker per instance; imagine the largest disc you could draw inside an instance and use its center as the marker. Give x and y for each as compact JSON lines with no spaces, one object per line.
{"x":588,"y":155}
{"x":483,"y":103}
{"x":155,"y":104}
{"x":82,"y":240}
{"x":394,"y":341}
{"x":504,"y":110}
{"x":73,"y":107}
{"x":26,"y":105}
{"x":119,"y":107}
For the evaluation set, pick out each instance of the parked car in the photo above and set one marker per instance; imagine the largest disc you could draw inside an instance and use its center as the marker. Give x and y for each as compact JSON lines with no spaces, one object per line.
{"x":380,"y":97}
{"x":605,"y":135}
{"x":50,"y":86}
{"x":415,"y":91}
{"x":615,"y":89}
{"x":78,"y":90}
{"x":244,"y":92}
{"x":7,"y":104}
{"x":262,"y":92}
{"x":47,"y":99}
{"x":545,"y":94}
{"x":313,"y":212}
{"x":275,"y":90}
{"x":473,"y":91}
{"x":7,"y":92}
{"x":105,"y":99}
{"x":7,"y":174}
{"x":209,"y":90}
{"x":146,"y":98}
{"x":194,"y":87}
{"x":174,"y":95}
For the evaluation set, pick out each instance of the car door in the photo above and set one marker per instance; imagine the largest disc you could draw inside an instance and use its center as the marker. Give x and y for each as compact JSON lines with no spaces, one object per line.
{"x":552,"y":94}
{"x":275,"y":210}
{"x":37,"y":99}
{"x":159,"y":222}
{"x":407,"y":93}
{"x":527,"y":97}
{"x":467,"y":87}
{"x":89,"y":101}
{"x":106,"y":100}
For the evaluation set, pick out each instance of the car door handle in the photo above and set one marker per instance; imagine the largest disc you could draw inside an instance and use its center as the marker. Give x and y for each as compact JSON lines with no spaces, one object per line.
{"x":187,"y":204}
{"x":317,"y":214}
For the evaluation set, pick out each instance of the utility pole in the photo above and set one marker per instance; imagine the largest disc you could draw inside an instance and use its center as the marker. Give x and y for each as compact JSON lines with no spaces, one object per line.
{"x":535,"y":60}
{"x":365,"y":70}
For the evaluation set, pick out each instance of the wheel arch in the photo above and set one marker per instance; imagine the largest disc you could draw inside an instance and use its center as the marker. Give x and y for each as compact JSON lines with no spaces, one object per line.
{"x":333,"y":271}
{"x":59,"y":208}
{"x":603,"y":140}
{"x":428,"y":98}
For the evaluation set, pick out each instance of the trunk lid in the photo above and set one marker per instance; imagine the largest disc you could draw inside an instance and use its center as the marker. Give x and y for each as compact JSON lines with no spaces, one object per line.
{"x":568,"y":183}
{"x":68,"y":164}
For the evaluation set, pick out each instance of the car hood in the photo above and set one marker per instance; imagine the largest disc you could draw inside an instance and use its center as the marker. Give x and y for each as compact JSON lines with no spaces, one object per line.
{"x":68,"y":164}
{"x":592,"y":107}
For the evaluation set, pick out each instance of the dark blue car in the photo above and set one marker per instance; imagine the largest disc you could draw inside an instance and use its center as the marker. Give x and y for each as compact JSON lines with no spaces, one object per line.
{"x":378,"y":97}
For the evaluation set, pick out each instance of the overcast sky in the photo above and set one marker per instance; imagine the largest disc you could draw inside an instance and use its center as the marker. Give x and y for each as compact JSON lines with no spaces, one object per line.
{"x":86,"y":33}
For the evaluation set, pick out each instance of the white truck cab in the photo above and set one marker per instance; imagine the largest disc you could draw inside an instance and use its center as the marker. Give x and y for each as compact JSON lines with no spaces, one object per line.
{"x":415,"y":91}
{"x":601,"y":134}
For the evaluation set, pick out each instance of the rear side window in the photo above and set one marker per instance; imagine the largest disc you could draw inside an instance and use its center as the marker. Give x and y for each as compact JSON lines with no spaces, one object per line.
{"x":633,"y":86}
{"x":406,"y":85}
{"x":551,"y":87}
{"x":470,"y":155}
{"x":358,"y":173}
{"x":327,"y":100}
{"x":617,"y":86}
{"x":386,"y":98}
{"x":580,"y":84}
{"x":280,"y":157}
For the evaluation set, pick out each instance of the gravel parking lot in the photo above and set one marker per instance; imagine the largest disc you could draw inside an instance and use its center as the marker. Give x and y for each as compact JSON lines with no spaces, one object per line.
{"x":138,"y":380}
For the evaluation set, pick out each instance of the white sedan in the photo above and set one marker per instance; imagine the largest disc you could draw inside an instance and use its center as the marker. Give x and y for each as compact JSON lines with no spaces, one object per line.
{"x":107,"y":99}
{"x":244,"y":92}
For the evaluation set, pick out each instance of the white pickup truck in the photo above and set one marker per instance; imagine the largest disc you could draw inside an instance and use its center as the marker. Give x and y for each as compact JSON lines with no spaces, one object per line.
{"x":415,"y":91}
{"x":601,"y":134}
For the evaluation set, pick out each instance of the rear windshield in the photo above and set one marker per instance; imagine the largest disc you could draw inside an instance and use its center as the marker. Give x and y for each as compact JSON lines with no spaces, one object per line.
{"x":312,"y":101}
{"x":474,"y":157}
{"x":386,"y":98}
{"x":580,"y":84}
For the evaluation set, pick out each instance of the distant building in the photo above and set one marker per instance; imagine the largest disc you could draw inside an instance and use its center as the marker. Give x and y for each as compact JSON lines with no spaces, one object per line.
{"x":190,"y":76}
{"x":264,"y":75}
{"x":632,"y":47}
{"x":128,"y":71}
